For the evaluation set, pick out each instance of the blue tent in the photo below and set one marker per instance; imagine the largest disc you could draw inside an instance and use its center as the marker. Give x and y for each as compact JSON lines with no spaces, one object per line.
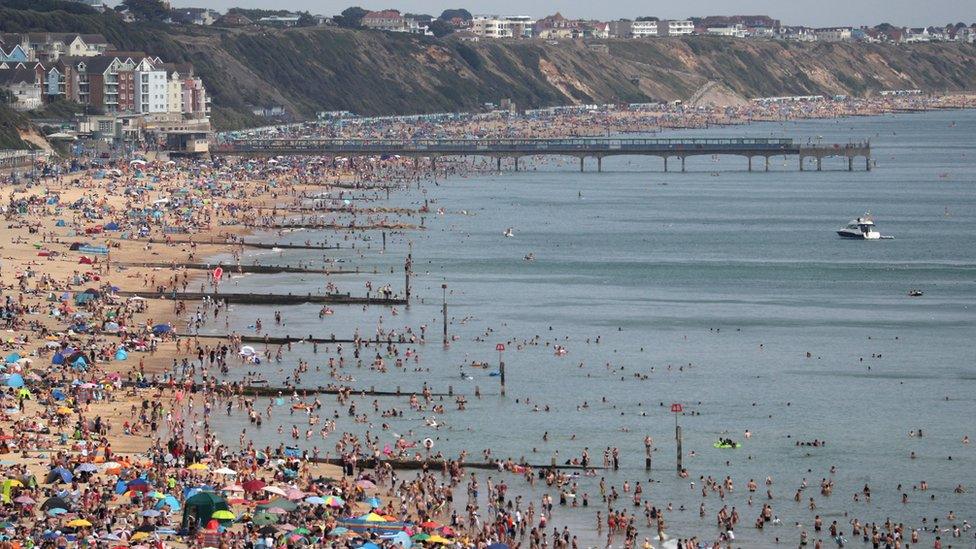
{"x":16,"y":381}
{"x":60,"y":223}
{"x":81,"y":299}
{"x":111,"y":226}
{"x":168,"y":501}
{"x":12,"y":357}
{"x":160,"y":329}
{"x":58,"y":394}
{"x":59,"y":474}
{"x":121,"y":354}
{"x":58,"y":358}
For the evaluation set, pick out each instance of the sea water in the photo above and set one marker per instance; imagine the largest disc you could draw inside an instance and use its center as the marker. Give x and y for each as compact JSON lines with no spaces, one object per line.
{"x":714,"y":284}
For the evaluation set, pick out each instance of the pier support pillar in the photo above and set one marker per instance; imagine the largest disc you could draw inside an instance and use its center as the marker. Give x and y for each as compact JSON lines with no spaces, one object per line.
{"x":819,"y":163}
{"x":498,"y":164}
{"x":599,"y":163}
{"x":767,"y":163}
{"x":850,"y":163}
{"x":433,"y":163}
{"x":867,"y":163}
{"x":682,"y":164}
{"x":750,"y":163}
{"x":801,"y":162}
{"x":516,"y":164}
{"x":665,"y":164}
{"x":582,"y":160}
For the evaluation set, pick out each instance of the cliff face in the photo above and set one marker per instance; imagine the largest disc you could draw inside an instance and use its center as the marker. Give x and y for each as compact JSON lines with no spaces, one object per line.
{"x":307,"y":70}
{"x":373,"y":73}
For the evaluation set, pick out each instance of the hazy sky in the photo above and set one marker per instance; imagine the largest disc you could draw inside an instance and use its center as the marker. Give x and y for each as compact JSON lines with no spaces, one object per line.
{"x":811,"y":12}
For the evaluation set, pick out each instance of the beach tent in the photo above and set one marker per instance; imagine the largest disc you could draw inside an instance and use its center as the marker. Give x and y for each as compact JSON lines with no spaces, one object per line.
{"x":58,"y":358}
{"x":16,"y":381}
{"x":121,"y":354}
{"x":75,"y":246}
{"x":111,"y":226}
{"x":199,"y":508}
{"x":161,"y":329}
{"x":55,"y":503}
{"x":60,"y":223}
{"x":58,"y":475}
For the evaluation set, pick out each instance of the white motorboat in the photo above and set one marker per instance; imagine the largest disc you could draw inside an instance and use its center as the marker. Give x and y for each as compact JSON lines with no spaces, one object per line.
{"x":861,"y":228}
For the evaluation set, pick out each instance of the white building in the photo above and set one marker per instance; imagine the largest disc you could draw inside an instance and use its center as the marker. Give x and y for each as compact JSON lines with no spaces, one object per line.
{"x":643,"y":29}
{"x":835,"y":34}
{"x":675,"y":28}
{"x":151,"y":88}
{"x":733,"y":31}
{"x":509,"y":26}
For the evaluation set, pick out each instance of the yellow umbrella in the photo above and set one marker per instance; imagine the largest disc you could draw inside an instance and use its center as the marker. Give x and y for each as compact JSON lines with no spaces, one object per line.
{"x":14,"y":482}
{"x":373,"y":517}
{"x":438,"y":539}
{"x":223,"y":514}
{"x":139,"y":536}
{"x":79,"y":523}
{"x":65,"y":411}
{"x":198,"y":467}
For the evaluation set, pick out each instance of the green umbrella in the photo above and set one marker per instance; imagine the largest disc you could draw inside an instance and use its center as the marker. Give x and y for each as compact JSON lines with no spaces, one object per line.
{"x":262,"y":519}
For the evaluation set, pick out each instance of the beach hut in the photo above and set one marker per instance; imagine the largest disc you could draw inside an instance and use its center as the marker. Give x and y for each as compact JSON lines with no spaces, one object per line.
{"x":199,"y":508}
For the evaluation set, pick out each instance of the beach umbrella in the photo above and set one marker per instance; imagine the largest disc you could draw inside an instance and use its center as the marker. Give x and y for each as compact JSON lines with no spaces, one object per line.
{"x":294,"y":494}
{"x":274,"y":490}
{"x":374,"y":502}
{"x":499,"y":546}
{"x":283,"y":504}
{"x":369,"y":546}
{"x":56,"y":511}
{"x":198,"y":467}
{"x":315,"y":500}
{"x":225,"y":471}
{"x":223,"y":514}
{"x":372,"y":517}
{"x":402,"y":539}
{"x":438,"y":539}
{"x":262,"y":519}
{"x":232,"y":488}
{"x":168,"y":501}
{"x":138,"y":485}
{"x":150,"y":513}
{"x":79,"y":523}
{"x":365,"y":484}
{"x":420,"y":537}
{"x":338,"y":531}
{"x":86,"y":468}
{"x":254,"y":485}
{"x":334,"y":501}
{"x":25,"y":500}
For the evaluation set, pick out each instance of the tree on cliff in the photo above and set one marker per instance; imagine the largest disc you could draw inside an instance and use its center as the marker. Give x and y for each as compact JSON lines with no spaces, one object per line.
{"x":351,"y":18}
{"x":440,"y":28}
{"x":147,"y":10}
{"x":461,"y":13}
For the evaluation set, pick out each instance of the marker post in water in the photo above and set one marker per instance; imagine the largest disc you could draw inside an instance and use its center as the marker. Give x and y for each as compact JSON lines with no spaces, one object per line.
{"x":444,"y":310}
{"x":676,"y":408}
{"x":501,"y":365}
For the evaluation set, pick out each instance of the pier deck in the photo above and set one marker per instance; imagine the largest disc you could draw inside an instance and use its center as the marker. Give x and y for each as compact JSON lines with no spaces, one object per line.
{"x":581,"y":148}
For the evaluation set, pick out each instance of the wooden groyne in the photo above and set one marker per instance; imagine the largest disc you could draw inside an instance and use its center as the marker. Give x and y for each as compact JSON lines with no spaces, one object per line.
{"x":288,"y":339}
{"x":436,"y":464}
{"x":268,"y":299}
{"x":240,"y":244}
{"x":336,"y":227}
{"x":242,"y":269}
{"x":264,"y":391}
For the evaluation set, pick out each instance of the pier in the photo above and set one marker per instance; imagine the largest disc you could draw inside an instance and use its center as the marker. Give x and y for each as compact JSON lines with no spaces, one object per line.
{"x":581,"y":148}
{"x":268,"y":299}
